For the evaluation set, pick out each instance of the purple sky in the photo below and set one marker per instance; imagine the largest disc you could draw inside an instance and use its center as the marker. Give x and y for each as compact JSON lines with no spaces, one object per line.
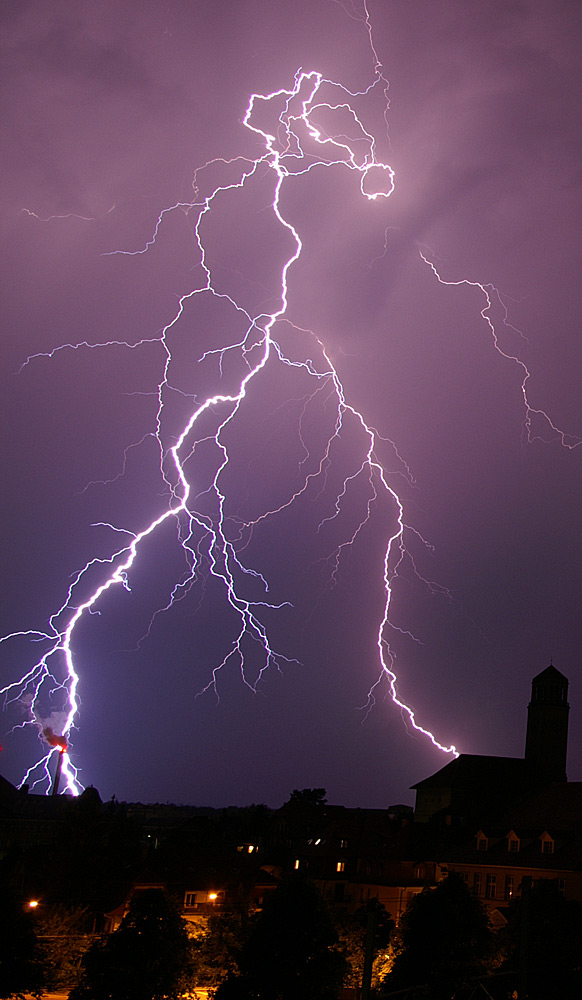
{"x":108,"y":109}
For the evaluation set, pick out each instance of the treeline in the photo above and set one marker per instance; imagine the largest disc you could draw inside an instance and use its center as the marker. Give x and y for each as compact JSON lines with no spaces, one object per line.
{"x":296,"y":949}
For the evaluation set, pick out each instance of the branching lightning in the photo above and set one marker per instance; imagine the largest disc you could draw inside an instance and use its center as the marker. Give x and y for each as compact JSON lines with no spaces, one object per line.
{"x":295,"y":144}
{"x":492,"y":296}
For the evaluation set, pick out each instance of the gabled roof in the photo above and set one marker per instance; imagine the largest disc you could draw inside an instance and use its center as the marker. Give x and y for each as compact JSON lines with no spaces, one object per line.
{"x":7,"y":791}
{"x":475,"y":769}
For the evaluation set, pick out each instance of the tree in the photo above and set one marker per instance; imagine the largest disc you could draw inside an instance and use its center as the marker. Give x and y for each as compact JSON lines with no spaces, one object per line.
{"x":293,"y":951}
{"x":544,"y":940}
{"x":308,"y":797}
{"x":147,"y":958}
{"x":21,"y":968}
{"x":444,"y":941}
{"x":353,"y":933}
{"x":63,"y":940}
{"x":217,"y":944}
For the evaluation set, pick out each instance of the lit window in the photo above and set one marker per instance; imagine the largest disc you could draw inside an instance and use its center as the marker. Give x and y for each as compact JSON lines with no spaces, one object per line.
{"x":296,"y":865}
{"x":341,"y":866}
{"x":508,"y":886}
{"x":490,"y":886}
{"x":343,"y":843}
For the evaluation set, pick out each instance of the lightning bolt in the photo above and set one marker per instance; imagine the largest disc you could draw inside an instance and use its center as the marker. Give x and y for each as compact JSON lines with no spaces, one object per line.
{"x":314,"y":125}
{"x":532,"y":415}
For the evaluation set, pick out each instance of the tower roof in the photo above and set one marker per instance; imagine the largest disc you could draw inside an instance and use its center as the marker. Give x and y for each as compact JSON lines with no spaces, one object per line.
{"x":550,"y":674}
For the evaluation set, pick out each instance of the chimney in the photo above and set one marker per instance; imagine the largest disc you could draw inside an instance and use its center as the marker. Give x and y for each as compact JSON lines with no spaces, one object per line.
{"x":58,"y":769}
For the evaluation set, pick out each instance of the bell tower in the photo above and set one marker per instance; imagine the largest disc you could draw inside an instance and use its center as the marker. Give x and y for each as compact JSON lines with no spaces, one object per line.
{"x":546,"y":741}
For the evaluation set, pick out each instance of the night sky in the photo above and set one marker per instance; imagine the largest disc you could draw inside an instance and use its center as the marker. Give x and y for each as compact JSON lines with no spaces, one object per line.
{"x":110,"y":111}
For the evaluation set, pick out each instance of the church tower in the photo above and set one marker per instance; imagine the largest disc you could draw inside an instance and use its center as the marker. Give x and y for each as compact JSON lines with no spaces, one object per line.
{"x":546,"y":741}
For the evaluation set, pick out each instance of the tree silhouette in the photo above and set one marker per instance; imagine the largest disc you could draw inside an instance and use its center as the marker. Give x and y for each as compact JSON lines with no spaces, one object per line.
{"x":63,"y":940}
{"x":145,"y":959}
{"x":20,"y":961}
{"x":293,"y":951}
{"x":354,"y":931}
{"x":444,"y":941}
{"x":544,"y":940}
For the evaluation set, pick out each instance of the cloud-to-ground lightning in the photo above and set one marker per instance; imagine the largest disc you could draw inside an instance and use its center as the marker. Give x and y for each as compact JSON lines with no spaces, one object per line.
{"x":311,"y":126}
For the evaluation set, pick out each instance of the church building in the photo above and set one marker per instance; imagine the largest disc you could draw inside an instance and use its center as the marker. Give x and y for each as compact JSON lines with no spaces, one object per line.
{"x":498,"y":821}
{"x":474,"y":785}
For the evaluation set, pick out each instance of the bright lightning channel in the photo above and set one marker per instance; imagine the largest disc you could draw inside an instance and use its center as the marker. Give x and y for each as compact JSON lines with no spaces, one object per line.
{"x":296,"y":145}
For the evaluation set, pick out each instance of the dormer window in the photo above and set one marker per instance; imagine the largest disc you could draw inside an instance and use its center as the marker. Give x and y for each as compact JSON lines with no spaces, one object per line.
{"x":482,"y":841}
{"x":513,"y":842}
{"x":547,"y":843}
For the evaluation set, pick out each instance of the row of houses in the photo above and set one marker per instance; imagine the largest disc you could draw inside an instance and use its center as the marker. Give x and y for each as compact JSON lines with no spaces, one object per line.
{"x":500,"y":822}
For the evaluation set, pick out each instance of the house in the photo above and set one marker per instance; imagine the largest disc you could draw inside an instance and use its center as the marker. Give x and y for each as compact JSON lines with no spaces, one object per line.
{"x":539,"y":837}
{"x":500,"y":821}
{"x":473,"y":787}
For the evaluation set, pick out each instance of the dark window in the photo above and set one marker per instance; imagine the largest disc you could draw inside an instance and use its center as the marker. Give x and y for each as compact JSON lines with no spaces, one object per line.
{"x":490,"y":886}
